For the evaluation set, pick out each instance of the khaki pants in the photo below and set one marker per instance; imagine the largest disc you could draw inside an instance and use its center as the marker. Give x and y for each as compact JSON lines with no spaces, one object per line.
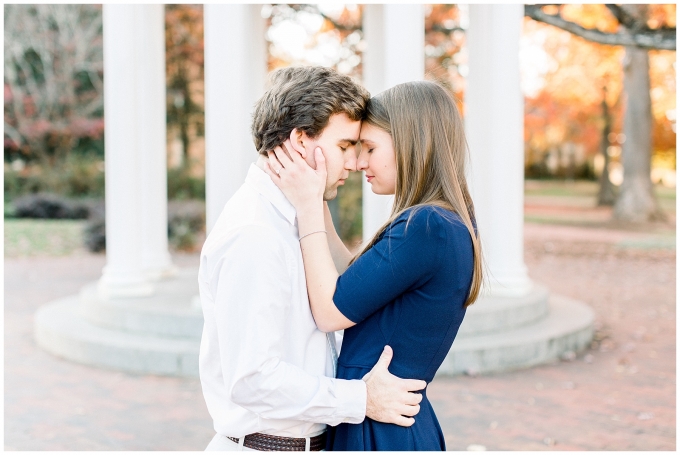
{"x":224,"y":444}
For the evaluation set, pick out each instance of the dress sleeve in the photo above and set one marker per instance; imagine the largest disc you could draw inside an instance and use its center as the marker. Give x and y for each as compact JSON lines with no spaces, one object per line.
{"x":402,"y":260}
{"x":252,"y":291}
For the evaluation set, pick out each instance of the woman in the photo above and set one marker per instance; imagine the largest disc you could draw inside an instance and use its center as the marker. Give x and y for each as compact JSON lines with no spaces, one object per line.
{"x":410,"y":285}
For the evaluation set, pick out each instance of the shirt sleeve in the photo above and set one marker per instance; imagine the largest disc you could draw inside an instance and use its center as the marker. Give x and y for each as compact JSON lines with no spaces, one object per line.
{"x":402,"y":260}
{"x":252,"y":291}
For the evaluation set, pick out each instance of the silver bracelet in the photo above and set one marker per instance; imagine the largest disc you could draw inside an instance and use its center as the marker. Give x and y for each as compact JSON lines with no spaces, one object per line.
{"x":315,"y":232}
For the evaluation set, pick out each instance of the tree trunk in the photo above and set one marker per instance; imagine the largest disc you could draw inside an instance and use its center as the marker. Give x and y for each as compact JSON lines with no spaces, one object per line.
{"x":606,"y":196}
{"x":183,"y":114}
{"x":636,"y":201}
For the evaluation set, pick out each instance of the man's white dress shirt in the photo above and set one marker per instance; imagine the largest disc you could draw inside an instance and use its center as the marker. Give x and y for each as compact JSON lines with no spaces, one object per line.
{"x":264,"y":365}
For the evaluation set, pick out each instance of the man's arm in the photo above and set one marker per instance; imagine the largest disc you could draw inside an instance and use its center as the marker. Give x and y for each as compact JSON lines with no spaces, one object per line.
{"x":252,"y":291}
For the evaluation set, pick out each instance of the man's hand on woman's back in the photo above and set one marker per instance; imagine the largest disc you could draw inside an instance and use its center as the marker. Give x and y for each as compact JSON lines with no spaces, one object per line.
{"x":390,"y":399}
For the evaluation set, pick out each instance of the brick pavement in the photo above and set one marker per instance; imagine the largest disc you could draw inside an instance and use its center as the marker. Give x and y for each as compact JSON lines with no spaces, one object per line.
{"x":53,"y":404}
{"x":619,"y":395}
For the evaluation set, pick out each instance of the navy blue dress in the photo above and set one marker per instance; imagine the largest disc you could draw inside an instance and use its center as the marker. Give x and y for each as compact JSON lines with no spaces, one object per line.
{"x":407,"y":291}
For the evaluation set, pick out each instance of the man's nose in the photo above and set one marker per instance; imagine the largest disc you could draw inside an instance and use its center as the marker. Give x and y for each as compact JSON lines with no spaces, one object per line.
{"x":362,"y":161}
{"x":351,"y":162}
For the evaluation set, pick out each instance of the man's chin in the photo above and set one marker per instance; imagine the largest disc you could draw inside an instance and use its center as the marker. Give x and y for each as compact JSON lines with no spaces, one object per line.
{"x":330,"y":194}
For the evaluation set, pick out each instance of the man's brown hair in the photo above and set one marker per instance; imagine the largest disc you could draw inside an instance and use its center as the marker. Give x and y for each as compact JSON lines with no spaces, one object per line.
{"x":304,"y":98}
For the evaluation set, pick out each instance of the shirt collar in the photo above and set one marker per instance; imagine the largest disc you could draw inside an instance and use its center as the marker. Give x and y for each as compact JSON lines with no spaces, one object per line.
{"x":263,"y":184}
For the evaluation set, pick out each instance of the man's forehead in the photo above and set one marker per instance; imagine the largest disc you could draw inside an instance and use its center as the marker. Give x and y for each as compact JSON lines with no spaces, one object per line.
{"x":342,"y":130}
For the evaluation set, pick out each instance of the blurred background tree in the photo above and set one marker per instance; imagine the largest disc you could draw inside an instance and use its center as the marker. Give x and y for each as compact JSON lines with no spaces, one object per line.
{"x":184,"y":68}
{"x":445,"y":53}
{"x":54,"y":101}
{"x":185,"y":102}
{"x":574,"y":89}
{"x":53,"y":80}
{"x":641,"y":29}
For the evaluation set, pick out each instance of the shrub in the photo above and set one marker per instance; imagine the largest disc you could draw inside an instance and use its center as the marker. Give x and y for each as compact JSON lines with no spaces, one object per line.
{"x":82,"y":176}
{"x":185,"y":220}
{"x":17,"y":184}
{"x":49,"y":206}
{"x":182,"y":185}
{"x":76,"y":176}
{"x":95,"y":235}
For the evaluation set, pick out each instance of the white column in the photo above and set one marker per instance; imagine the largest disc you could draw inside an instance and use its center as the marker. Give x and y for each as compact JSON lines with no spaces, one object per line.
{"x":494,"y":117}
{"x":395,"y":53}
{"x":151,"y":118}
{"x":127,"y":71}
{"x":235,"y":71}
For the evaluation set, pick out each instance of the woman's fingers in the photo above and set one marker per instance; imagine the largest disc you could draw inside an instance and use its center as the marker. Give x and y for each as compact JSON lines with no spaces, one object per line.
{"x":268,"y":169}
{"x":320,"y":159}
{"x":282,"y":157}
{"x":274,"y":163}
{"x":291,"y":146}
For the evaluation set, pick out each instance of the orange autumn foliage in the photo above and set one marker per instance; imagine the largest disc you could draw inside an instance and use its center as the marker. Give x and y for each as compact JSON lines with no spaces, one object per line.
{"x":567,"y":109}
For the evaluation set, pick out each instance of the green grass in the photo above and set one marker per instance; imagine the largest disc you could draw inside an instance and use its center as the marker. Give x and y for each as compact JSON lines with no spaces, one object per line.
{"x":560,"y":188}
{"x":666,"y":242}
{"x":584,"y":193}
{"x":665,"y":193}
{"x":561,"y":220}
{"x":28,"y":237}
{"x":578,"y":188}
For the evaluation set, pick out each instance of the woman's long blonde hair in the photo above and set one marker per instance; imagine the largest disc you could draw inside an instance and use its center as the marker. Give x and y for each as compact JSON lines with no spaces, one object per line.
{"x":430,"y":151}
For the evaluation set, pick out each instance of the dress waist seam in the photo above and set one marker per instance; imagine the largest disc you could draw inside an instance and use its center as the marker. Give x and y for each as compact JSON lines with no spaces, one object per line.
{"x":355,"y":366}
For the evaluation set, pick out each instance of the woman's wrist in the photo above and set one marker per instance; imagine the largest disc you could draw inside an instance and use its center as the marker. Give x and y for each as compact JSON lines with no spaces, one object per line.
{"x":310,"y":210}
{"x":310,"y":218}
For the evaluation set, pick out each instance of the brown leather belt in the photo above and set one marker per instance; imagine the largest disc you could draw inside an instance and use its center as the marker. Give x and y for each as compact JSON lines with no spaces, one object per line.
{"x":268,"y":442}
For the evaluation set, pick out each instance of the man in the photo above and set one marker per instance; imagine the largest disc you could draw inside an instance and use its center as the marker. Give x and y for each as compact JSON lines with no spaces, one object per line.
{"x":266,"y":370}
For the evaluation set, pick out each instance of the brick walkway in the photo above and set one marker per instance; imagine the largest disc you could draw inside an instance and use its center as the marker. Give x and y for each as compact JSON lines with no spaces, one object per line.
{"x":619,"y":395}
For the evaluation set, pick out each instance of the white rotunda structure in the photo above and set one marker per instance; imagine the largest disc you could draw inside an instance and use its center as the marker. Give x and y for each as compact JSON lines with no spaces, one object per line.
{"x":141,"y":316}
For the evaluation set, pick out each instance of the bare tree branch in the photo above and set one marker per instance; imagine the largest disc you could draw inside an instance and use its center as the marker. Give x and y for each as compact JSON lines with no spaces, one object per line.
{"x":661,"y":39}
{"x":622,"y":16}
{"x":443,"y":29}
{"x":314,"y":9}
{"x":49,"y":51}
{"x":13,"y":134}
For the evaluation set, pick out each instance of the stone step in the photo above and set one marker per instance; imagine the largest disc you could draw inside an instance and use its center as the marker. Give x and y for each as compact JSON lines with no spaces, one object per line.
{"x":173,"y":311}
{"x":568,"y":326}
{"x":500,"y":314}
{"x":61,"y":329}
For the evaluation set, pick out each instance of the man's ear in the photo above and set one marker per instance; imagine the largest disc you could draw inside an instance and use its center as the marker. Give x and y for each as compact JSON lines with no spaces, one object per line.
{"x":297,"y":139}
